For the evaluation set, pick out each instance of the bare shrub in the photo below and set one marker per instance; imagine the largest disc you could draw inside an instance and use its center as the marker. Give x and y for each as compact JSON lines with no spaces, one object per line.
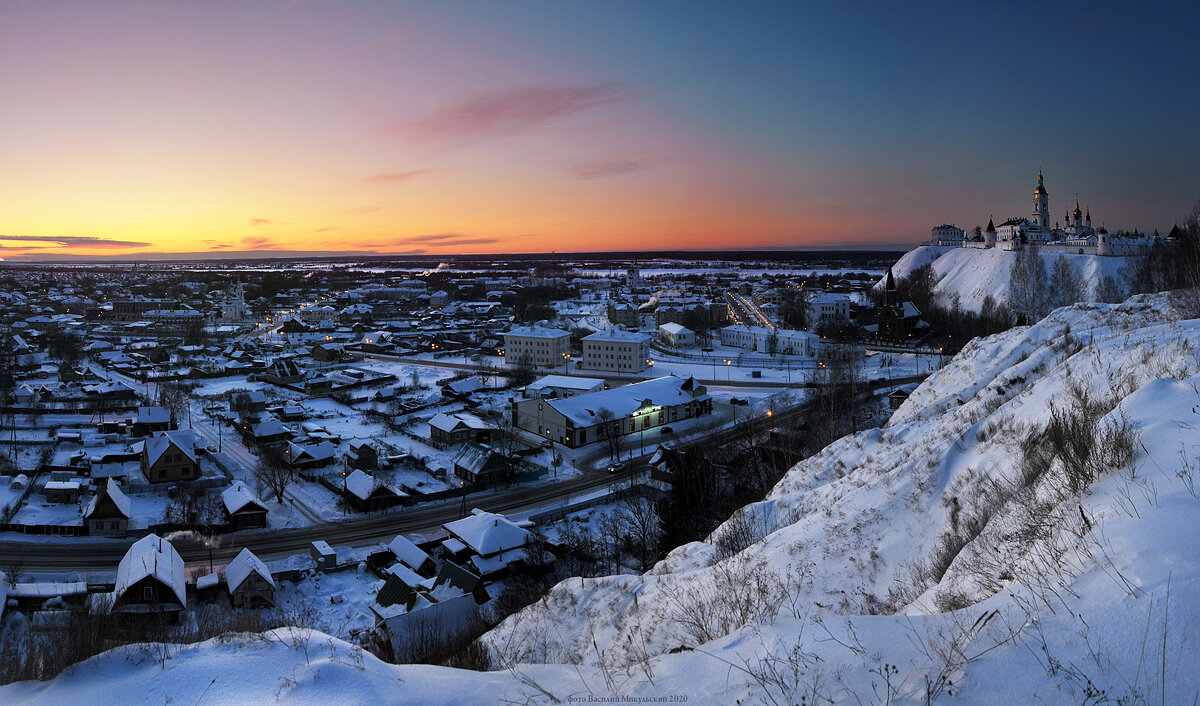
{"x":744,"y":528}
{"x":741,"y":592}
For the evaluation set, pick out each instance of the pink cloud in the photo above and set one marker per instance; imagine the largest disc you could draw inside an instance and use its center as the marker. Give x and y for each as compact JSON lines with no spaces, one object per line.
{"x":259,"y":222}
{"x":257,"y":243}
{"x":506,"y":112}
{"x":392,"y":177}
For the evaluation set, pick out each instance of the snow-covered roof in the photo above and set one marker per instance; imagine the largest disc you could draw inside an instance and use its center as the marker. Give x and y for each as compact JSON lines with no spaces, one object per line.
{"x":623,"y":401}
{"x":487,"y":533}
{"x":470,"y":384}
{"x":408,"y":553}
{"x":238,"y":496}
{"x":537,"y":332}
{"x":405,"y":574}
{"x":565,"y":382}
{"x":361,"y":484}
{"x":450,"y":422}
{"x":152,"y":556}
{"x":244,"y":564}
{"x":472,"y":457}
{"x":617,"y":336}
{"x":159,"y":442}
{"x":320,"y":451}
{"x":153,"y":415}
{"x":674,"y":328}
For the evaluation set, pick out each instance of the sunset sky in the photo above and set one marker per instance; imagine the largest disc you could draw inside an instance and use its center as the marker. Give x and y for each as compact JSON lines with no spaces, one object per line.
{"x":453,"y":127}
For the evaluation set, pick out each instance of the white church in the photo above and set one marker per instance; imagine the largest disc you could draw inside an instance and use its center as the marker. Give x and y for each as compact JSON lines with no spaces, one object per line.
{"x":1074,"y":234}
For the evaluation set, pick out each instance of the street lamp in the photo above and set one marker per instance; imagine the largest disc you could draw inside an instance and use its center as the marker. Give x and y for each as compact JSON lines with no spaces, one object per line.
{"x":208,"y":544}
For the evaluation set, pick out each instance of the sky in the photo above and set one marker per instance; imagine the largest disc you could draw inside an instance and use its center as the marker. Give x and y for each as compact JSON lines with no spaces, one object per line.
{"x":506,"y":127}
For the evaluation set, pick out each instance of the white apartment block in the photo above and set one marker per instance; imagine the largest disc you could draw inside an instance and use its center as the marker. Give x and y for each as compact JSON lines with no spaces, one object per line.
{"x":616,"y":351}
{"x":827,"y":308}
{"x":546,"y":347}
{"x":768,"y":340}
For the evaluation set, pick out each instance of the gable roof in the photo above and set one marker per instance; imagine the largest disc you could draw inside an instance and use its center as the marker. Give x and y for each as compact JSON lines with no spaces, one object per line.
{"x":244,"y":564}
{"x":238,"y":496}
{"x":408,"y":553}
{"x":473,"y":457}
{"x":362,"y":485}
{"x":112,"y":491}
{"x":450,"y":422}
{"x":159,"y":442}
{"x":152,"y":556}
{"x":153,"y":415}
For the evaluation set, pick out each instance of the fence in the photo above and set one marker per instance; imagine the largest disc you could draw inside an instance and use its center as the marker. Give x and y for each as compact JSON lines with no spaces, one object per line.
{"x":60,"y":530}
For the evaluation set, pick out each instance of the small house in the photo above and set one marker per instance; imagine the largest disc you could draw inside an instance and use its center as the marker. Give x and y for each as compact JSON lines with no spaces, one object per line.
{"x":62,"y":491}
{"x":108,"y":512}
{"x":362,"y":455}
{"x":365,"y":493}
{"x":150,"y":420}
{"x":150,"y":580}
{"x":459,"y":427}
{"x":411,"y":555}
{"x":170,"y":456}
{"x":243,"y":509}
{"x":479,"y":464}
{"x":249,"y":581}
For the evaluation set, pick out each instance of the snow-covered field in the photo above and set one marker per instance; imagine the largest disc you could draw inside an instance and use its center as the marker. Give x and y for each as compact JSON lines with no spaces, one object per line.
{"x":941,"y":557}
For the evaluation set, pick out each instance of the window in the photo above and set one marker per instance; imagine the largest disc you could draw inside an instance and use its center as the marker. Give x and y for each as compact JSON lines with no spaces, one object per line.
{"x":147,"y":593}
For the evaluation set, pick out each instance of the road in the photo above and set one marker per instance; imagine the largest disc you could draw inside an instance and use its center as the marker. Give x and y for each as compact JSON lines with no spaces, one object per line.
{"x":48,"y":554}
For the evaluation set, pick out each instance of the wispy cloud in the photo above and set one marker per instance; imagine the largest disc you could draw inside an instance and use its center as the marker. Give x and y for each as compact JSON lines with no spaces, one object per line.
{"x":600,"y":170}
{"x":257,"y":243}
{"x":75,"y":241}
{"x":505,"y":112}
{"x":448,"y":239}
{"x":254,"y":222}
{"x":392,"y":177}
{"x":326,"y":230}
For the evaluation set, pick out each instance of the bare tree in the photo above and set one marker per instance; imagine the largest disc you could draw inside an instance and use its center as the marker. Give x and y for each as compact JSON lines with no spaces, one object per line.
{"x":1109,"y":291}
{"x":274,"y":474}
{"x":837,"y":395}
{"x":1027,"y":285}
{"x":1066,"y":283}
{"x":639,"y":519}
{"x":609,"y":430}
{"x":174,"y":398}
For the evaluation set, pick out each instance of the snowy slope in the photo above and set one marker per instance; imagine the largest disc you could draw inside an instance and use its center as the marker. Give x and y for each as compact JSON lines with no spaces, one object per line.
{"x":973,"y":274}
{"x":1049,"y":598}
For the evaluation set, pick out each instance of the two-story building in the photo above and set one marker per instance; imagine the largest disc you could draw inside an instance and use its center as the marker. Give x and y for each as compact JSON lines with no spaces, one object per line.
{"x":537,"y":345}
{"x":616,"y":351}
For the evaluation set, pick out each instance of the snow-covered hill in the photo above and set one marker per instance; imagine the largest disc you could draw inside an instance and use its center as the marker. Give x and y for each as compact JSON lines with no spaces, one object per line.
{"x":954,"y":551}
{"x":974,"y":274}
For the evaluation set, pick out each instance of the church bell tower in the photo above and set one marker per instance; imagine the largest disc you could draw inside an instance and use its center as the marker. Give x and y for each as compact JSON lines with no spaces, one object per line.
{"x":1041,"y":204}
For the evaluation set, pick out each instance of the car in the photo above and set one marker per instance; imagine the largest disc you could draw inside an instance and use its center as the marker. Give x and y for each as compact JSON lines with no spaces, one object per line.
{"x":734,"y":400}
{"x":666,"y":430}
{"x":616,"y":467}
